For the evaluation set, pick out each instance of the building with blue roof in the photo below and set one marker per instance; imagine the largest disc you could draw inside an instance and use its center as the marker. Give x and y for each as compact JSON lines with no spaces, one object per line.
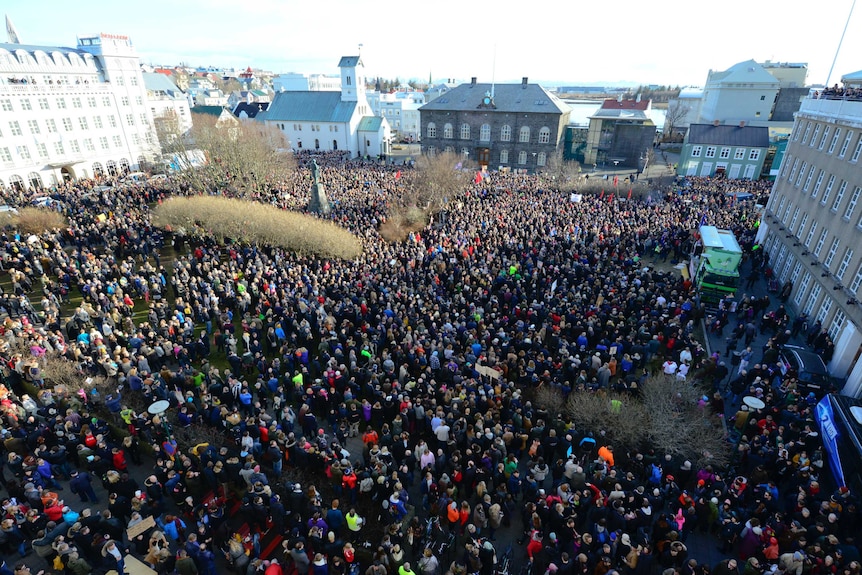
{"x":328,"y":120}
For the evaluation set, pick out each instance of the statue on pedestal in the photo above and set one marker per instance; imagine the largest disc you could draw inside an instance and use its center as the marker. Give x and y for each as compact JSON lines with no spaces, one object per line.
{"x":319,"y":203}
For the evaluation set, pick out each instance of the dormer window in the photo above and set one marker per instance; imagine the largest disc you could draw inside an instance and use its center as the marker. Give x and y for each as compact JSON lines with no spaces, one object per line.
{"x":348,"y":80}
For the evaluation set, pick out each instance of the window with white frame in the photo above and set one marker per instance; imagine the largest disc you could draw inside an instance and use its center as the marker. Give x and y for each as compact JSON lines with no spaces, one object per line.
{"x":807,"y":131}
{"x":67,"y":124}
{"x":794,"y":275}
{"x":15,"y":128}
{"x":785,"y":165}
{"x":485,"y":133}
{"x":810,"y":235}
{"x":544,"y":135}
{"x":25,"y":104}
{"x":103,"y":141}
{"x":845,"y":262}
{"x":793,"y":170}
{"x":812,"y":299}
{"x":106,"y":101}
{"x":118,"y":141}
{"x":696,"y":151}
{"x":797,"y":132}
{"x":5,"y":155}
{"x":465,"y":131}
{"x":739,"y":154}
{"x":857,"y":279}
{"x":74,"y":146}
{"x":837,"y":324}
{"x":88,"y":145}
{"x":524,"y":134}
{"x":43,"y":104}
{"x":23,"y":152}
{"x":839,"y":196}
{"x":782,"y":253}
{"x":448,"y":131}
{"x":802,"y":223}
{"x":814,"y":136}
{"x":112,"y":120}
{"x":724,"y":154}
{"x":854,"y":199}
{"x":825,"y":308}
{"x":58,"y":148}
{"x":76,"y":102}
{"x":754,"y":155}
{"x":710,"y":151}
{"x":42,"y":149}
{"x":97,"y":122}
{"x":787,"y":266}
{"x":34,"y":126}
{"x":793,"y":220}
{"x":6,"y":105}
{"x":816,"y":189}
{"x":828,"y":189}
{"x":91,"y":101}
{"x":808,"y":179}
{"x":820,"y":241}
{"x":504,"y":156}
{"x":846,"y":144}
{"x":830,"y":255}
{"x":541,"y":159}
{"x":506,"y":133}
{"x":51,"y":126}
{"x":857,"y":151}
{"x":780,"y":204}
{"x":522,"y":157}
{"x":803,"y":287}
{"x":130,"y":119}
{"x":801,"y":174}
{"x":824,"y":137}
{"x":431,"y":130}
{"x":834,"y":141}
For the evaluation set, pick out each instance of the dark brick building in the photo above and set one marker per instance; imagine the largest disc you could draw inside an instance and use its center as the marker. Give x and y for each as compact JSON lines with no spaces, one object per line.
{"x":517,"y":126}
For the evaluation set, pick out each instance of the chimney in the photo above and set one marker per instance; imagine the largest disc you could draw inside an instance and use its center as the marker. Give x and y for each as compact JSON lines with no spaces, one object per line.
{"x":716,"y":122}
{"x":638,"y":99}
{"x":742,"y":124}
{"x":473,"y":81}
{"x":524,"y":82}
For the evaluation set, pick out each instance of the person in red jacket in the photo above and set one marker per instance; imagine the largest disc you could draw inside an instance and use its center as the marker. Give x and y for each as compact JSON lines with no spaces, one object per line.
{"x":535,"y":544}
{"x":118,"y":457}
{"x":54,"y":512}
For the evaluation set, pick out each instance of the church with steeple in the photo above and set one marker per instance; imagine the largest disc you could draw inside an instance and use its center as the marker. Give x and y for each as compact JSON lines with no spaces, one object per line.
{"x":332,"y":121}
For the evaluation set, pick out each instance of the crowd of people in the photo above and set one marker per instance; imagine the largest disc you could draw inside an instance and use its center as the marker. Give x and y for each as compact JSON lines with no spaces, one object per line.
{"x":376,"y":414}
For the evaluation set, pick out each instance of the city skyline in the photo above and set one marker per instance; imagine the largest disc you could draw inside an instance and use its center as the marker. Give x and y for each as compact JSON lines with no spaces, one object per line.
{"x":638,"y":44}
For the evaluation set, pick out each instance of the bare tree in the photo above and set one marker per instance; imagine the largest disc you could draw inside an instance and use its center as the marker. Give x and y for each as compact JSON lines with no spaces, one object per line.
{"x":245,"y":158}
{"x":561,"y":174}
{"x":436,"y":180}
{"x":676,"y":113}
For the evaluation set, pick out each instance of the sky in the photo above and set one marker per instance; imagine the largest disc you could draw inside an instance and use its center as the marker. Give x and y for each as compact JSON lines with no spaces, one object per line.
{"x":669,"y":42}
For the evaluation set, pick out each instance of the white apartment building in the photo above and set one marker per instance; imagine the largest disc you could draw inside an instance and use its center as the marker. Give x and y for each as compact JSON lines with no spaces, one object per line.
{"x":69,"y":113}
{"x":167,"y":102}
{"x":812,"y":225}
{"x":293,"y":82}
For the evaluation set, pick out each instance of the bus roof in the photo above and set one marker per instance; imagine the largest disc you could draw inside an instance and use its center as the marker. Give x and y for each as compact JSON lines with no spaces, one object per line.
{"x":713,"y":237}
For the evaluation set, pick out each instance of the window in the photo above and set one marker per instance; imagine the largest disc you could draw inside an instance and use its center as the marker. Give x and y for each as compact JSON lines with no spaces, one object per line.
{"x":6,"y":104}
{"x":541,"y":159}
{"x":754,"y":155}
{"x":524,"y":134}
{"x":25,"y":104}
{"x":121,"y":81}
{"x":447,"y":131}
{"x":824,"y":308}
{"x":822,"y":240}
{"x":88,"y":144}
{"x":5,"y":155}
{"x":762,"y":98}
{"x":118,"y":141}
{"x":544,"y":136}
{"x":830,"y":255}
{"x":808,"y":179}
{"x":845,"y":261}
{"x":91,"y":101}
{"x":133,"y":81}
{"x":24,"y":152}
{"x":812,"y":299}
{"x":58,"y":148}
{"x":106,"y":101}
{"x":465,"y":131}
{"x":793,"y":170}
{"x":797,"y":132}
{"x":112,"y":120}
{"x":485,"y":133}
{"x":857,"y":279}
{"x":803,"y":287}
{"x":696,"y":151}
{"x":807,"y":131}
{"x":139,"y":101}
{"x":34,"y":126}
{"x":846,"y":144}
{"x":836,"y":325}
{"x":504,"y":156}
{"x":739,"y":154}
{"x":73,"y":144}
{"x":506,"y":133}
{"x":431,"y":130}
{"x":124,"y":101}
{"x":814,"y":136}
{"x":67,"y":124}
{"x":61,"y":103}
{"x":103,"y":141}
{"x":710,"y":151}
{"x":51,"y":125}
{"x":725,"y":153}
{"x":810,"y":234}
{"x":802,"y":223}
{"x":42,"y":150}
{"x":43,"y":104}
{"x":76,"y":102}
{"x":817,"y":185}
{"x":854,"y":199}
{"x":793,"y":221}
{"x":857,"y":151}
{"x":82,"y":121}
{"x":834,"y":141}
{"x":97,"y":121}
{"x":785,"y":165}
{"x":522,"y":157}
{"x":828,"y":189}
{"x":801,"y":173}
{"x":824,"y":137}
{"x":839,"y":196}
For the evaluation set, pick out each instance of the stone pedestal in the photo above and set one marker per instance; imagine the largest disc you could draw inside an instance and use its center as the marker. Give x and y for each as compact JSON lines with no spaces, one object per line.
{"x":318,"y":204}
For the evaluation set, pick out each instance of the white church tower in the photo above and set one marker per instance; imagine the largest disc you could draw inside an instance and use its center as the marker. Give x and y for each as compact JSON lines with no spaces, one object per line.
{"x":352,"y":79}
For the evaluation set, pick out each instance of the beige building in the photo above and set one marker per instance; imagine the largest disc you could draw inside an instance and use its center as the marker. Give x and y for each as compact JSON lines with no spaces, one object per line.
{"x":812,"y":226}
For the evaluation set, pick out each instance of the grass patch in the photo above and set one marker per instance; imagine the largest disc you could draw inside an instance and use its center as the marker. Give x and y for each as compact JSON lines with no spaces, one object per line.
{"x":255,"y":223}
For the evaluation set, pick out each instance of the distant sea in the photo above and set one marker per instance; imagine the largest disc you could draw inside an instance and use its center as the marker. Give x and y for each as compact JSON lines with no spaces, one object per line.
{"x":583,"y":109}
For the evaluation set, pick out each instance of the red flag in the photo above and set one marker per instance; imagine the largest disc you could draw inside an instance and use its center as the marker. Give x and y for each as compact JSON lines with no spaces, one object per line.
{"x":611,"y":197}
{"x":630,"y":194}
{"x":478,"y":178}
{"x":616,"y":180}
{"x":398,"y":174}
{"x":602,"y":195}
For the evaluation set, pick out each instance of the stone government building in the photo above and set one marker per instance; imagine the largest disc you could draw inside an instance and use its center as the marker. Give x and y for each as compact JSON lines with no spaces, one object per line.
{"x":502,"y":126}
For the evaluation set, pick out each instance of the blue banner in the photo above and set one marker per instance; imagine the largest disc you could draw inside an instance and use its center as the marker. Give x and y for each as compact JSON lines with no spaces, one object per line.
{"x":829,"y":433}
